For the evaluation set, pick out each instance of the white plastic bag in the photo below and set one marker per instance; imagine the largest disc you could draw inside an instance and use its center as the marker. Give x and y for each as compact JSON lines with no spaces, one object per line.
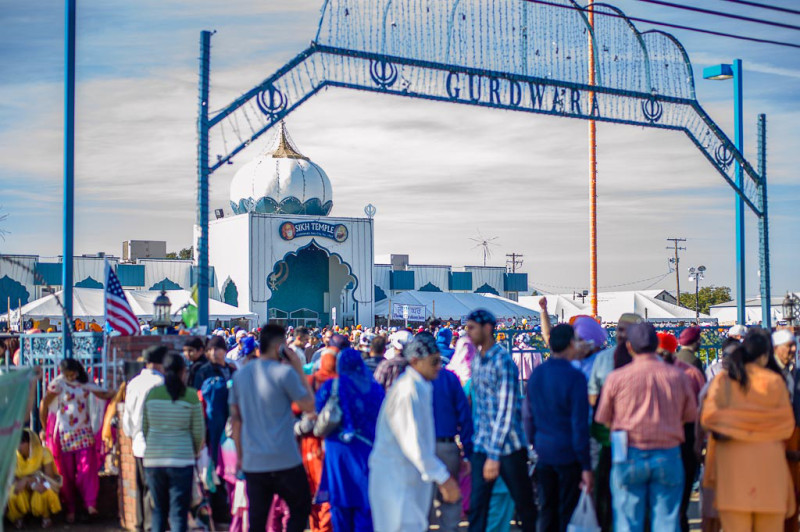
{"x":239,"y":498}
{"x":584,"y":518}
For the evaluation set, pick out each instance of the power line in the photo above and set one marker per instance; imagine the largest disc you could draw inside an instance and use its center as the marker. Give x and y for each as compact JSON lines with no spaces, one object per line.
{"x":722,"y":14}
{"x":655,"y":283}
{"x":656,"y":277}
{"x":676,"y":26}
{"x":764,"y":6}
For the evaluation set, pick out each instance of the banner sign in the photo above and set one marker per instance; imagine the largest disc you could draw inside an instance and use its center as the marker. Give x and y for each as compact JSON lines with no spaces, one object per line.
{"x":413,"y":312}
{"x":290,"y":231}
{"x":14,"y":388}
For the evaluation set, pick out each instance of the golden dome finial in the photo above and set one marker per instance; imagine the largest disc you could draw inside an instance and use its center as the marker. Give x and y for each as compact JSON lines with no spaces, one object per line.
{"x":285,"y":148}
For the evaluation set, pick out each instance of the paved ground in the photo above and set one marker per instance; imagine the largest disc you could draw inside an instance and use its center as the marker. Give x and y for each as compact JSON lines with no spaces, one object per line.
{"x":77,"y":527}
{"x":113,"y":525}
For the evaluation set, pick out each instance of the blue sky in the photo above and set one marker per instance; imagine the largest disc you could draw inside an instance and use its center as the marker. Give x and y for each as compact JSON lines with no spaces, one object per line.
{"x":437,"y":173}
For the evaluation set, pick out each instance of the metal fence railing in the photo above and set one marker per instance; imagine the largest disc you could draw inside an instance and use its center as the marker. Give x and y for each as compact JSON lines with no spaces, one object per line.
{"x":711,"y":339}
{"x":45,"y":350}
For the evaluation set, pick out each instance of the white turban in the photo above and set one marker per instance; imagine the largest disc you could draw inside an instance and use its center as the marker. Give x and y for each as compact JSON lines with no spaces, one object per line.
{"x":782,"y":336}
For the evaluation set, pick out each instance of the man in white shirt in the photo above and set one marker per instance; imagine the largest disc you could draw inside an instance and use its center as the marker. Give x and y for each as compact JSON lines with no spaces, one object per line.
{"x":236,"y":353}
{"x":405,"y":447}
{"x":301,"y":335}
{"x":135,"y":394}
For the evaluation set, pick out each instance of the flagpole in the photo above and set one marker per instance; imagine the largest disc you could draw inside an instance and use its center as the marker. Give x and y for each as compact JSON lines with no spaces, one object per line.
{"x":105,"y":357}
{"x":105,"y":329}
{"x":8,"y":312}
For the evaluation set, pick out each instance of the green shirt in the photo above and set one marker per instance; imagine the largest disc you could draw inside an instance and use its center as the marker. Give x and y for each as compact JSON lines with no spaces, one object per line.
{"x":173,"y":430}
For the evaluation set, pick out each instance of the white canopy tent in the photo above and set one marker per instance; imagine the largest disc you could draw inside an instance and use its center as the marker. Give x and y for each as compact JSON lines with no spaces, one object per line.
{"x":726,"y":313}
{"x":455,"y":306}
{"x":88,"y":305}
{"x":612,"y":305}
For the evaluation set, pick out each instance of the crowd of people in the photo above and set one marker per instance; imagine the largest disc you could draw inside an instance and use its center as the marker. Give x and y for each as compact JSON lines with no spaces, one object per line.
{"x":398,"y":430}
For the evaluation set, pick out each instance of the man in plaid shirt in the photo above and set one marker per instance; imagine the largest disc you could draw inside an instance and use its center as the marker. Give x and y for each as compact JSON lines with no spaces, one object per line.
{"x":500,"y":447}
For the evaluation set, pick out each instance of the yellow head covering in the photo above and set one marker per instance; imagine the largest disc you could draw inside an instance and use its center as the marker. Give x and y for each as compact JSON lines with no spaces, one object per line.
{"x":35,"y":460}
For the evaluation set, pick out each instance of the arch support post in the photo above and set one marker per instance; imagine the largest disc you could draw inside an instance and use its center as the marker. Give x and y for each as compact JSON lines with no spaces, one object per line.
{"x":202,"y":181}
{"x":763,"y":224}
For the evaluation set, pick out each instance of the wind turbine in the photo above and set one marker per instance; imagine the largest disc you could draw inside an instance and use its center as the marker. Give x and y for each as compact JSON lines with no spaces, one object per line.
{"x":485,"y":243}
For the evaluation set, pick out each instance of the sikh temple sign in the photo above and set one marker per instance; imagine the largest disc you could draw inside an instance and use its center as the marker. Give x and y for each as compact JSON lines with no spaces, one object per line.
{"x":291,"y":230}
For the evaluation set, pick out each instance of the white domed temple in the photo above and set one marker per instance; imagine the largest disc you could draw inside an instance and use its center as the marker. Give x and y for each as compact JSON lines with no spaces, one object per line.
{"x":281,"y":255}
{"x":282,"y":181}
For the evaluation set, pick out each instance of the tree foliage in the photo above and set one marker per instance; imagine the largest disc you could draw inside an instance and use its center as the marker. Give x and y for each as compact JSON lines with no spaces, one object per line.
{"x":708,"y":296}
{"x":184,"y":254}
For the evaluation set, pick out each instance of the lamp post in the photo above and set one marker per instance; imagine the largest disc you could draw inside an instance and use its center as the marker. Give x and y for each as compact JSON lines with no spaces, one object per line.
{"x":734,"y":71}
{"x":791,"y":307}
{"x":161,"y":313}
{"x":696,"y":275}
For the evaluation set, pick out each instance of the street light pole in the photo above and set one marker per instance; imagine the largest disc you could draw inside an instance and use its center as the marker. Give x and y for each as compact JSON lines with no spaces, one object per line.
{"x":696,"y":274}
{"x":790,"y":305}
{"x":734,"y":71}
{"x":739,"y":141}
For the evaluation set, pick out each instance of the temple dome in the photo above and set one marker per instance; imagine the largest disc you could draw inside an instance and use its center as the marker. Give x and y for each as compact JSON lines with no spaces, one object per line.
{"x":281,"y":181}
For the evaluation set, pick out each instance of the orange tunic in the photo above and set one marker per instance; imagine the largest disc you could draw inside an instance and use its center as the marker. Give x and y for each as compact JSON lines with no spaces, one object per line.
{"x":749,"y":471}
{"x":792,"y":524}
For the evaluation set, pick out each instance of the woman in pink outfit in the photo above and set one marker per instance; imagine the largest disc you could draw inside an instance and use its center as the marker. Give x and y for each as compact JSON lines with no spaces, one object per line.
{"x":74,"y":443}
{"x":461,"y":362}
{"x":461,"y":365}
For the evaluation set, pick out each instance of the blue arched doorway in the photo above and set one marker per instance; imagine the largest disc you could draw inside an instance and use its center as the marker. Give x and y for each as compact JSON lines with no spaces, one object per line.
{"x":306,"y":285}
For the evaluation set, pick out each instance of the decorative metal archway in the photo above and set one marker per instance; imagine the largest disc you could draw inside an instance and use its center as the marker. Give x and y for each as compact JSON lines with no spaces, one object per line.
{"x":510,"y":54}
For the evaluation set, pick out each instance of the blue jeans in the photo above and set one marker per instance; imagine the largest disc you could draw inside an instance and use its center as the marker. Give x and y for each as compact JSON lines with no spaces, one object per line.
{"x":171,"y":489}
{"x":648,"y":480}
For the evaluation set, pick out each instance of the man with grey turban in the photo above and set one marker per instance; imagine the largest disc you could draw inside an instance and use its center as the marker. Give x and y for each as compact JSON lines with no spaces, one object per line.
{"x":404,"y":454}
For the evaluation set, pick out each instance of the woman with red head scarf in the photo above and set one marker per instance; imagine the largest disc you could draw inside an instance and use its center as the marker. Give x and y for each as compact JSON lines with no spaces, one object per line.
{"x":311,"y":447}
{"x":667,"y":346}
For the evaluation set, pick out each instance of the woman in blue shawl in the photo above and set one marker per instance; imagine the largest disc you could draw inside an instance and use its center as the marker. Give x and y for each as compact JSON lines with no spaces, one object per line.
{"x":443,"y":340}
{"x":345,"y":475}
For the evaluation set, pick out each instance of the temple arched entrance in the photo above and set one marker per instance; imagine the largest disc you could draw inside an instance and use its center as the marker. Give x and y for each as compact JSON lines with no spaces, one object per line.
{"x":307,"y":285}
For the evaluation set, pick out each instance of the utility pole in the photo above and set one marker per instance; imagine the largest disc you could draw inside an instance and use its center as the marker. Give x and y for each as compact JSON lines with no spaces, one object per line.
{"x":514,"y":261}
{"x":676,"y":261}
{"x":592,"y":171}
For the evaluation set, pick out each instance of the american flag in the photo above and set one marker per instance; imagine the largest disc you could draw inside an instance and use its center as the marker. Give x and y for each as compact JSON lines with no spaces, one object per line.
{"x":119,"y":314}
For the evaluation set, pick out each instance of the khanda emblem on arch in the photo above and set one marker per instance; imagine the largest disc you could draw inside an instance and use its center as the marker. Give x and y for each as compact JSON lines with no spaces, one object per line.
{"x":279,"y":276}
{"x":272,"y":102}
{"x":652,"y":109}
{"x":723,"y":155}
{"x":383,"y":73}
